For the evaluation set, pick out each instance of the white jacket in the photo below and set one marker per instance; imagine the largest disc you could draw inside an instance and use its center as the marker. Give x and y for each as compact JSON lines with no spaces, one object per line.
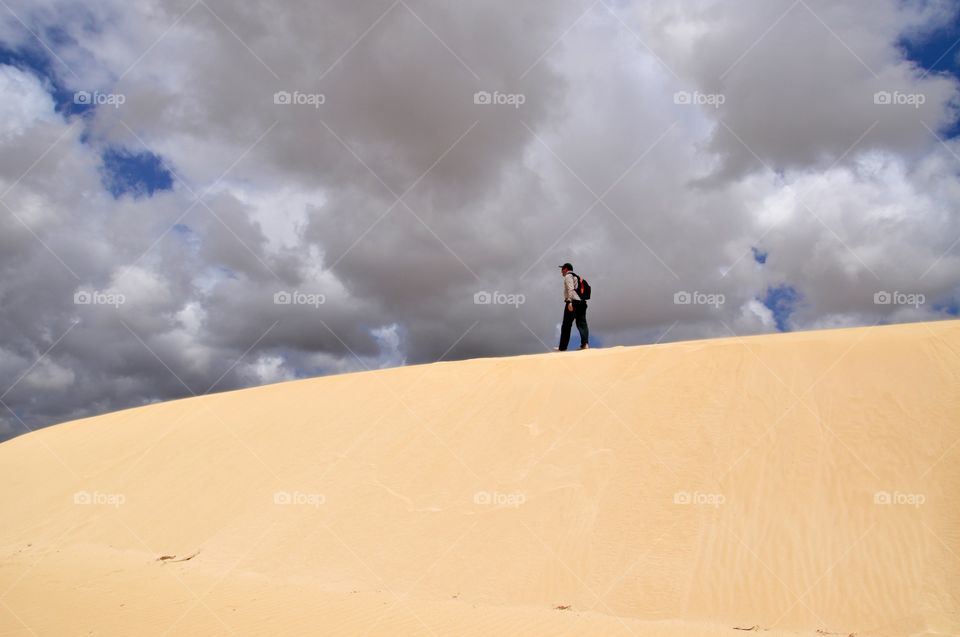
{"x":570,"y":288}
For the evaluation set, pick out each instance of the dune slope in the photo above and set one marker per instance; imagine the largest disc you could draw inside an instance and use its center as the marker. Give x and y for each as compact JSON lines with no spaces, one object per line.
{"x":793,"y":483}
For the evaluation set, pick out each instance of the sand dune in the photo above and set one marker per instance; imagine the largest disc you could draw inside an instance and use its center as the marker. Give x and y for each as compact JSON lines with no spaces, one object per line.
{"x":792,"y":483}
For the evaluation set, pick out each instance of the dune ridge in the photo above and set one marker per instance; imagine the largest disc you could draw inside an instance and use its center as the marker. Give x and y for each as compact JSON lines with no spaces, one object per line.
{"x":778,"y":484}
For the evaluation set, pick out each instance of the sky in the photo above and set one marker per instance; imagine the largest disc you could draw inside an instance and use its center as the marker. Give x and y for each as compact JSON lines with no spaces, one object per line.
{"x":202,"y":195}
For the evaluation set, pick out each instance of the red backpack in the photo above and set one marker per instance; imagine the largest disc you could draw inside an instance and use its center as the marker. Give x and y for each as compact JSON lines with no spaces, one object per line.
{"x":583,"y":288}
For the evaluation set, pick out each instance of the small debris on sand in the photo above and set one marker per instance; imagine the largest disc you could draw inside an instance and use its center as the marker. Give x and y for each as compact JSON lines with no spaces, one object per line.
{"x":173,"y":558}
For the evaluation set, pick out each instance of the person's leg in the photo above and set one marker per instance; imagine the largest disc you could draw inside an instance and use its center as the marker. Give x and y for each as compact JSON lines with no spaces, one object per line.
{"x":581,"y":316}
{"x":565,"y":327}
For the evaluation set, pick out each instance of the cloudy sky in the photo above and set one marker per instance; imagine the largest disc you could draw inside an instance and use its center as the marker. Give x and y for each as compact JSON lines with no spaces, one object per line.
{"x":200,"y":195}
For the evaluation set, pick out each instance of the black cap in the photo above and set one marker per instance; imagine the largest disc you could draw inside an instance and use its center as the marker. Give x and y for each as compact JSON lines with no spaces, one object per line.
{"x":565,"y":265}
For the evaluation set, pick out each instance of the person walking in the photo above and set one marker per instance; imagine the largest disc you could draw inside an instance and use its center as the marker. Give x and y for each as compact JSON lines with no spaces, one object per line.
{"x":574,"y":309}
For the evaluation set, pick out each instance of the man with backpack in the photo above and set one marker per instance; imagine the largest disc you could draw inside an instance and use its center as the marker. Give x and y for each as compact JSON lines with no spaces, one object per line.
{"x":576,"y":292}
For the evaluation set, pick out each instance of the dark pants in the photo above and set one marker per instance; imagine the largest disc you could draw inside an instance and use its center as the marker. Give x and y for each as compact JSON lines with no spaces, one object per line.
{"x":579,"y":314}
